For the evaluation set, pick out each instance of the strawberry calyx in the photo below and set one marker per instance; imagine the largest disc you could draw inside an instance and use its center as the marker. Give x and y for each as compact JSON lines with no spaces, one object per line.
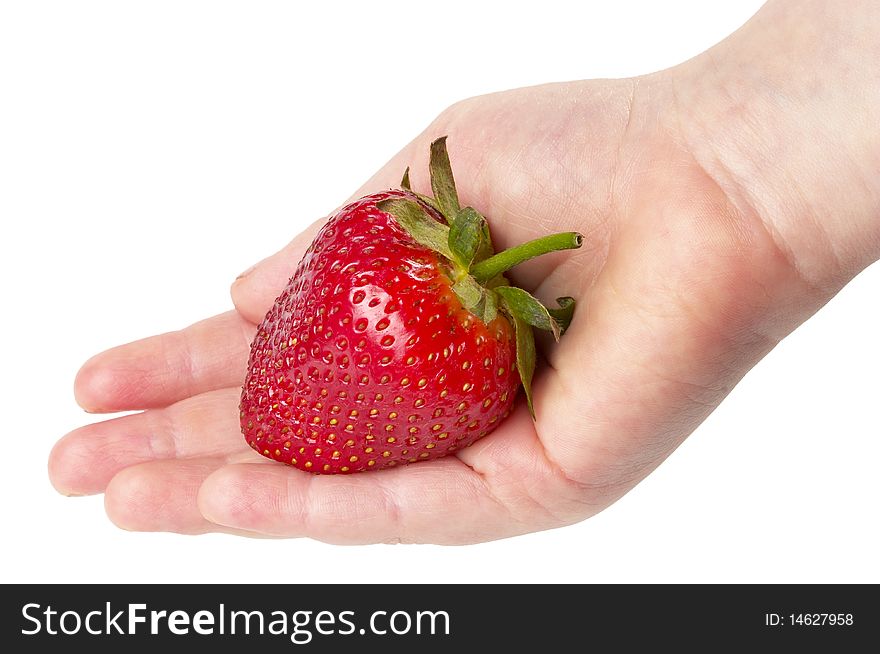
{"x":477,"y":272}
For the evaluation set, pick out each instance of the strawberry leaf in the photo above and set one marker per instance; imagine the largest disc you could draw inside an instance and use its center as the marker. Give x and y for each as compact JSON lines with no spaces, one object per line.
{"x":416,"y":222}
{"x":564,"y":313}
{"x":442,"y":182}
{"x":428,"y":200}
{"x":404,"y":183}
{"x":486,"y":249}
{"x":466,"y":236}
{"x":477,"y":299}
{"x":525,"y":357}
{"x":525,"y":307}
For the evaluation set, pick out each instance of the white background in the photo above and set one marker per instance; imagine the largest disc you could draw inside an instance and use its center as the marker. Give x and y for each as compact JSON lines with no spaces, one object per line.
{"x":151,"y":151}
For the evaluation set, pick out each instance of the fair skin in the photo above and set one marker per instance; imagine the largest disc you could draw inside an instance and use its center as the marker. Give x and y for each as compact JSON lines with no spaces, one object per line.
{"x":723,"y":202}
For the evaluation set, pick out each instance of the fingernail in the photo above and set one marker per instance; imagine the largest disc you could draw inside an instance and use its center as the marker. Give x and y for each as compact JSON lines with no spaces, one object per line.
{"x":246,"y":272}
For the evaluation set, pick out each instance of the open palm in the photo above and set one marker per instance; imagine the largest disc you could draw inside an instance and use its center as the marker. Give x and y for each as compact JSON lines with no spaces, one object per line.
{"x":674,"y":287}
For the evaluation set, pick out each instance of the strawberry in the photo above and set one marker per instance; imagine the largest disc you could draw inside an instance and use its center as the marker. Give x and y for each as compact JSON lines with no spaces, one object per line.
{"x":398,"y":339}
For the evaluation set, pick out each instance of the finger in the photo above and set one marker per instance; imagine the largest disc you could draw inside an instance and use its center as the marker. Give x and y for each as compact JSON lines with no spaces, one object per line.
{"x":84,"y":461}
{"x":162,"y":369}
{"x":161,"y":496}
{"x":443,"y":501}
{"x":438,"y":501}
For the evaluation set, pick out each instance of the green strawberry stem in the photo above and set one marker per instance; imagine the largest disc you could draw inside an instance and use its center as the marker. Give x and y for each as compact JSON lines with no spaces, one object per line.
{"x":507,"y":259}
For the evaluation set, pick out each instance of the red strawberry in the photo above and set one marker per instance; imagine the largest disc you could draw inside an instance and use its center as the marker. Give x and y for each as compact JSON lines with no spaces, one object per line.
{"x":398,"y":339}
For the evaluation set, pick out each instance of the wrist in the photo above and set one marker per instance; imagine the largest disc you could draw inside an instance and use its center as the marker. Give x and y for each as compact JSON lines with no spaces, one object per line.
{"x":783,"y":115}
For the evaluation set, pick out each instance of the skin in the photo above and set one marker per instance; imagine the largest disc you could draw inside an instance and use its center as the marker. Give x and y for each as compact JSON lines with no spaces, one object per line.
{"x":723,"y":202}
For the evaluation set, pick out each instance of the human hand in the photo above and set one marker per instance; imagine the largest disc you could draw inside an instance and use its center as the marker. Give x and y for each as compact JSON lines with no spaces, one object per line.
{"x":698,"y":259}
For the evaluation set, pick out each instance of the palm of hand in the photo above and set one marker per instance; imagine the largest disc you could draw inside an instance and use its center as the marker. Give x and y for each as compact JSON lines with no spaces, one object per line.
{"x":671,"y":292}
